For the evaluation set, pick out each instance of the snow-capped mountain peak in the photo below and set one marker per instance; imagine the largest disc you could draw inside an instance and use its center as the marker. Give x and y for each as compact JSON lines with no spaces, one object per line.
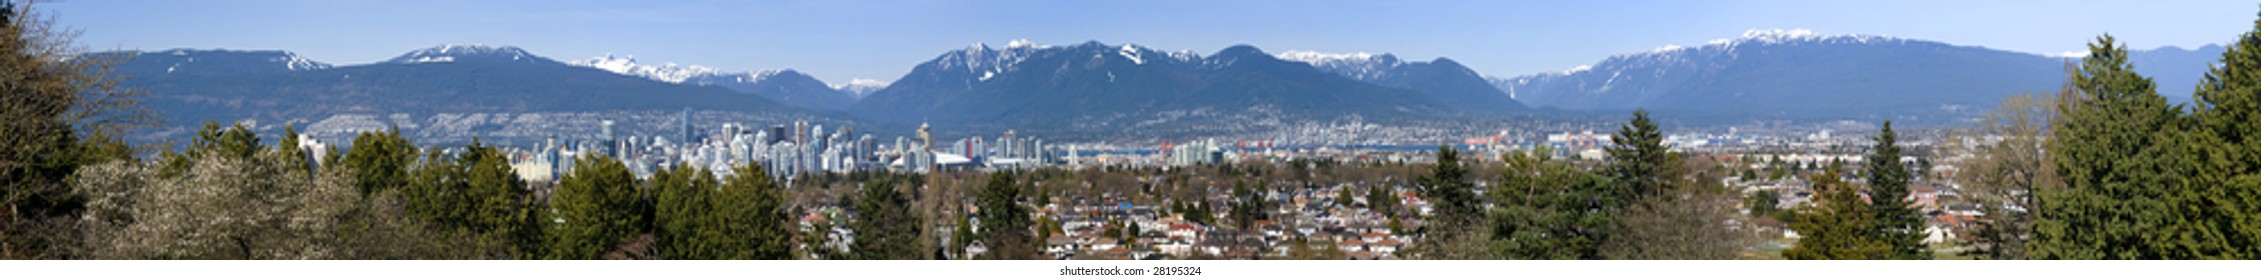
{"x":454,"y":52}
{"x":859,"y":87}
{"x":249,"y":60}
{"x":626,"y":65}
{"x":1025,"y":44}
{"x":1320,"y":57}
{"x":1356,"y":65}
{"x":1778,"y":36}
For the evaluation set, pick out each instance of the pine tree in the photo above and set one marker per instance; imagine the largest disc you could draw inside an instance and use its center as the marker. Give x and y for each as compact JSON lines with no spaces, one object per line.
{"x":1637,"y":160}
{"x":1546,"y":210}
{"x":886,"y":227}
{"x":594,"y":208}
{"x":1838,"y":227}
{"x":477,"y":199}
{"x":1898,"y":223}
{"x":1004,"y":221}
{"x":380,"y":160}
{"x":2108,"y":151}
{"x":751,"y":215}
{"x":1447,"y":183}
{"x":685,"y":222}
{"x":2221,"y":201}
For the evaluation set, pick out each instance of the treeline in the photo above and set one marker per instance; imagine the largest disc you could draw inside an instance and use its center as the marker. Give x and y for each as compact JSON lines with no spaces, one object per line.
{"x":227,"y":196}
{"x":2110,"y":170}
{"x":1641,"y":202}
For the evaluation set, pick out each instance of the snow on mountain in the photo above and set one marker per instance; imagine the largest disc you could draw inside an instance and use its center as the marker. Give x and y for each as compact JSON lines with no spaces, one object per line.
{"x":860,"y":87}
{"x":222,"y":61}
{"x":983,"y":62}
{"x":1796,"y":69}
{"x":296,"y":63}
{"x":1357,"y":65}
{"x":456,"y":52}
{"x":667,"y":72}
{"x":1695,"y":57}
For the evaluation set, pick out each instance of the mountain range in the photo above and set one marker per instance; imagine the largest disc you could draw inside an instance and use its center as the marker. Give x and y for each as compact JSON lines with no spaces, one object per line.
{"x":188,"y":87}
{"x":1097,"y":87}
{"x":784,"y":86}
{"x":1777,"y":74}
{"x":1027,"y":84}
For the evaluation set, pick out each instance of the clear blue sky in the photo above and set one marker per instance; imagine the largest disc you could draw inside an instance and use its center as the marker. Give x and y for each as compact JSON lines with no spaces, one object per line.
{"x":840,"y":39}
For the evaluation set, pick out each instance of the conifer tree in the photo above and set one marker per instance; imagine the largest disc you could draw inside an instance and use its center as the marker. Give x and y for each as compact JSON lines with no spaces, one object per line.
{"x":1838,"y":226}
{"x":753,"y":222}
{"x":2222,"y":197}
{"x":1004,"y":221}
{"x":594,"y":208}
{"x":2108,"y":151}
{"x":380,"y":160}
{"x":1637,"y":160}
{"x":1898,"y":223}
{"x":1447,"y":184}
{"x":886,"y":227}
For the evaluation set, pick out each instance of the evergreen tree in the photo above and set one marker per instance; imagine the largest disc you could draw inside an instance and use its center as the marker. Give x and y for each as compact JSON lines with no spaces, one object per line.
{"x":1447,"y":184}
{"x":1898,"y":223}
{"x":1381,"y":200}
{"x":886,"y":227}
{"x":1547,"y":210}
{"x":478,"y":199}
{"x":594,"y":208}
{"x":1838,"y":227}
{"x":2221,"y":201}
{"x":751,"y":217}
{"x":1246,"y":207}
{"x":2108,"y":152}
{"x":380,"y":160}
{"x":1637,"y":160}
{"x":687,"y":219}
{"x":1004,"y":221}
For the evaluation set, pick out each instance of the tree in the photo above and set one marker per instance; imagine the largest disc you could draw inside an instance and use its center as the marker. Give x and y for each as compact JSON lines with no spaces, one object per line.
{"x":2221,"y":199}
{"x":594,"y":209}
{"x":2108,"y":151}
{"x":1381,"y":200}
{"x":1004,"y":222}
{"x":60,"y":110}
{"x":223,"y":207}
{"x":685,"y":223}
{"x":1547,"y":210}
{"x":1898,"y":223}
{"x":1344,"y":197}
{"x":379,"y":160}
{"x":1695,"y":219}
{"x":1637,"y":160}
{"x":1838,"y":227}
{"x":1248,"y":206}
{"x":1764,"y":202}
{"x":752,"y":219}
{"x":2005,"y":175}
{"x":477,"y":199}
{"x":886,"y":227}
{"x":1447,"y":183}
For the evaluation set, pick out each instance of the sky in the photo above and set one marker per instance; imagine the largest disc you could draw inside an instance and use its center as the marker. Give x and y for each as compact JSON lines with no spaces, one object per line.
{"x":836,"y":40}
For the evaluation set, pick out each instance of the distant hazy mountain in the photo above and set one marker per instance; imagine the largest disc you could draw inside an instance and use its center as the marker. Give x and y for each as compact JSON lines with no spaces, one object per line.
{"x":1774,"y":73}
{"x":1032,"y":84}
{"x":2176,"y":70}
{"x":192,"y":86}
{"x":1443,"y":79}
{"x":784,"y":86}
